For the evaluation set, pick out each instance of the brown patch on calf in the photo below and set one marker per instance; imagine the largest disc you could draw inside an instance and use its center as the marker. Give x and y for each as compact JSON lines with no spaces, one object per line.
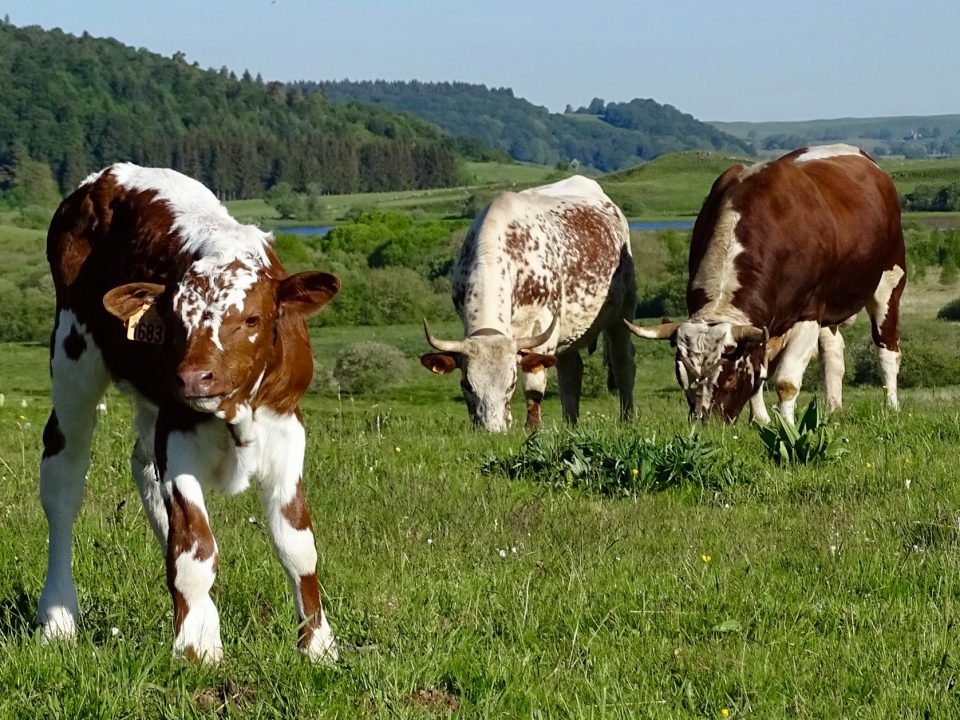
{"x":309,"y":590}
{"x":74,"y":344}
{"x":53,"y":440}
{"x":295,"y":512}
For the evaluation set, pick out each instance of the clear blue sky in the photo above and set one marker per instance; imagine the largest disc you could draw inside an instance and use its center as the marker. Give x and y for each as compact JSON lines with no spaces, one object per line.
{"x":716,"y":59}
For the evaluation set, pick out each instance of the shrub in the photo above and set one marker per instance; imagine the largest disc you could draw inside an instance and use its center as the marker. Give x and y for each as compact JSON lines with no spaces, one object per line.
{"x":810,"y":441}
{"x":619,"y":465}
{"x":950,"y":311}
{"x":366,"y":367}
{"x":931,"y":358}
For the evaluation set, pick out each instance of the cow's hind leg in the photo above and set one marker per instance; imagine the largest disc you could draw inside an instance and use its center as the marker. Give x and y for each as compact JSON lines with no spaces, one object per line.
{"x":291,"y":532}
{"x":569,"y":382}
{"x":618,"y":352}
{"x":884,"y":311}
{"x":79,"y":379}
{"x":793,"y":360}
{"x":831,"y":360}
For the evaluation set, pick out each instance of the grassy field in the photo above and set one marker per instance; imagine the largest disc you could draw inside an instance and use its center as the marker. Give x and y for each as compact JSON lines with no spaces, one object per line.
{"x":813,"y":592}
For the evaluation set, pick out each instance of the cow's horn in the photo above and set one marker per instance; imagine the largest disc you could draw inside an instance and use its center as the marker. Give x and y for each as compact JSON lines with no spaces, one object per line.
{"x":450,"y":346}
{"x":750,"y":333}
{"x":531,"y":342}
{"x":664,"y":331}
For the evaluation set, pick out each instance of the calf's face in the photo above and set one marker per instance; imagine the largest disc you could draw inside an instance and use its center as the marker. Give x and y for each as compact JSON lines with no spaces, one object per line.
{"x":223,"y":325}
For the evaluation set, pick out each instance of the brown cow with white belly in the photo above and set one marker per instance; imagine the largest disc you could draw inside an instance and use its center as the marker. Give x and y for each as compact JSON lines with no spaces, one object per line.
{"x":193,"y":316}
{"x":783,"y":254}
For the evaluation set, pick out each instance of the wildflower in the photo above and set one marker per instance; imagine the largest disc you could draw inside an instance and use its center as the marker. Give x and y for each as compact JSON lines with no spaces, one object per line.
{"x":114,"y":631}
{"x":102,"y":408}
{"x":513,"y":549}
{"x":833,"y":549}
{"x":907,"y":483}
{"x":706,"y":558}
{"x":26,"y":426}
{"x":252,"y":520}
{"x":503,"y":553}
{"x":867,"y":465}
{"x":397,"y":449}
{"x":23,"y":403}
{"x":429,"y":541}
{"x":21,"y":417}
{"x":724,"y":713}
{"x":635,"y":472}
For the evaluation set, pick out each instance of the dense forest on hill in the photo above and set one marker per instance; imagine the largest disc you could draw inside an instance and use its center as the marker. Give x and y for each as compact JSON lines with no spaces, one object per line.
{"x":606,"y":136}
{"x":79,"y":103}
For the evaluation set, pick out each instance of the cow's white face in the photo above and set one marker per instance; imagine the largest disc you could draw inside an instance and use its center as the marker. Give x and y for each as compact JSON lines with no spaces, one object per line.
{"x":488,"y":365}
{"x":718,"y":374}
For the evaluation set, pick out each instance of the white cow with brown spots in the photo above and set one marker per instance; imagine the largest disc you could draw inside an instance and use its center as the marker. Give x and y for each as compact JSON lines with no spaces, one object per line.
{"x":193,"y":316}
{"x":540,"y":274}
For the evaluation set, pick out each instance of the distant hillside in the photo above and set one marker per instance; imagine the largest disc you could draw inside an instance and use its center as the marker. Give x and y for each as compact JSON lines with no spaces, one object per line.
{"x":604,"y":136}
{"x":79,"y":103}
{"x":914,"y":137}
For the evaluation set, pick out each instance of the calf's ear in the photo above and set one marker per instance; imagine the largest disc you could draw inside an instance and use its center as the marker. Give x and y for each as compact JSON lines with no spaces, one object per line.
{"x":531,"y":362}
{"x":125,"y":300}
{"x":440,"y":363}
{"x":307,"y":292}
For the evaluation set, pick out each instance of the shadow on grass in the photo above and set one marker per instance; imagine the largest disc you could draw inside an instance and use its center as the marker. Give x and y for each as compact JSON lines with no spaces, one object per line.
{"x":16,"y":615}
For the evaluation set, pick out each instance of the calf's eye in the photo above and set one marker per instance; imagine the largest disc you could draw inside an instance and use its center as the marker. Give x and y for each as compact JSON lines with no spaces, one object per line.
{"x":252,"y":321}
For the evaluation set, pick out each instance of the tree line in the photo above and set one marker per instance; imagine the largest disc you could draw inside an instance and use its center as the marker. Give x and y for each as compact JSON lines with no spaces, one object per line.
{"x":77,"y":104}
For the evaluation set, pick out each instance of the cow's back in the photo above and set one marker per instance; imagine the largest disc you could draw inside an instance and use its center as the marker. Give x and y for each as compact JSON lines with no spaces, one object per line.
{"x":559,"y":250}
{"x":805,"y":237}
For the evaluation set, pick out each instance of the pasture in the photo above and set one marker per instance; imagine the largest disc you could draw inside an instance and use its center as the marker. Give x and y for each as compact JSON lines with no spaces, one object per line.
{"x":812,"y":591}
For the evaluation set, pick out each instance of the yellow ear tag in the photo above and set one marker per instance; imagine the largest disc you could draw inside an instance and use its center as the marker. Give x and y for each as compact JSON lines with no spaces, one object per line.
{"x":146,"y":326}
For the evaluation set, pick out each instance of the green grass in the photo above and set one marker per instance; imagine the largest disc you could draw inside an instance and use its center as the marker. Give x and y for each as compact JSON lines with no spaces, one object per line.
{"x":814,"y":592}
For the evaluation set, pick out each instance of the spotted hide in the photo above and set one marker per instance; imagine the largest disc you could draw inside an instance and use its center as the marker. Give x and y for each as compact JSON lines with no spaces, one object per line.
{"x":193,"y":317}
{"x":540,"y":274}
{"x":783,"y":255}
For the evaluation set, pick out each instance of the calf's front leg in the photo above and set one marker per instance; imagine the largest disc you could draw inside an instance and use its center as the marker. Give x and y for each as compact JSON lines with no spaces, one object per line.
{"x":291,"y":532}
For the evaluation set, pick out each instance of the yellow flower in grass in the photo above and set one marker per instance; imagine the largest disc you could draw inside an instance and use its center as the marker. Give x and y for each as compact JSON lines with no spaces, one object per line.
{"x":724,"y":713}
{"x":635,"y":472}
{"x":706,"y":558}
{"x":867,"y":465}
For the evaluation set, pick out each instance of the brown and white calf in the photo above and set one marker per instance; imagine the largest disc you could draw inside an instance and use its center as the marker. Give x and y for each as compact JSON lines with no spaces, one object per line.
{"x":783,"y":255}
{"x":192,"y":315}
{"x":545,"y":269}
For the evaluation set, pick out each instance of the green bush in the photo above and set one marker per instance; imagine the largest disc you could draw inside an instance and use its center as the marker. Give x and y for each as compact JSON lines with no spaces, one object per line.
{"x":810,"y":441}
{"x":950,"y":311}
{"x":930,"y":358}
{"x":619,"y":465}
{"x":366,"y":367}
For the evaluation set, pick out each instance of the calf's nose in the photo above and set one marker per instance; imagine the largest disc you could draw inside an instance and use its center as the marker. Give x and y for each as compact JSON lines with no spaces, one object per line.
{"x":195,"y":383}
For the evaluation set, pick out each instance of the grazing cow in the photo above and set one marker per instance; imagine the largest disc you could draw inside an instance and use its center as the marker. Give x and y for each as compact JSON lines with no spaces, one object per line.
{"x":783,"y":254}
{"x":548,"y":268}
{"x":193,"y":317}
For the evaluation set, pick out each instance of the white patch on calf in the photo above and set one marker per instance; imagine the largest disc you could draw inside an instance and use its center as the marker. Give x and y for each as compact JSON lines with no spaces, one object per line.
{"x":323,"y":646}
{"x":889,"y":367}
{"x":282,"y":442}
{"x":201,"y":626}
{"x":223,"y":289}
{"x":878,"y":304}
{"x":824,"y":152}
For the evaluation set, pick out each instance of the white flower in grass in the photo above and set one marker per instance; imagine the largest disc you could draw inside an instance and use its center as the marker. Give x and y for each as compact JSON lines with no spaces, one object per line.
{"x":429,"y":541}
{"x":907,"y":483}
{"x":114,"y":631}
{"x":102,"y":408}
{"x":501,"y":552}
{"x":833,"y":549}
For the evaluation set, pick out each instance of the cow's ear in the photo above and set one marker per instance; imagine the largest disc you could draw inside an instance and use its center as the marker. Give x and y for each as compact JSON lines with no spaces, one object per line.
{"x":124,"y":301}
{"x":531,"y":362}
{"x":440,"y":363}
{"x":307,"y":292}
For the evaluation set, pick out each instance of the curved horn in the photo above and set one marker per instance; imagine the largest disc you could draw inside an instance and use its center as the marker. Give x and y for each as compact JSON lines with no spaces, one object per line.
{"x":531,"y":342}
{"x":749,"y":333}
{"x":450,"y":346}
{"x":664,"y":331}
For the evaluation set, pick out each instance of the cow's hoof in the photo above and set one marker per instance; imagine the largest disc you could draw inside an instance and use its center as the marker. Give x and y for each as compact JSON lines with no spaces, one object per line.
{"x":322,"y":647}
{"x":57,"y":623}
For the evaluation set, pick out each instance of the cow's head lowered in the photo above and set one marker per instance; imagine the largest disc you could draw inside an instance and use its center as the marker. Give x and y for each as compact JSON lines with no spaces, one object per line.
{"x":224,"y":324}
{"x":719,"y":365}
{"x":488,"y":360}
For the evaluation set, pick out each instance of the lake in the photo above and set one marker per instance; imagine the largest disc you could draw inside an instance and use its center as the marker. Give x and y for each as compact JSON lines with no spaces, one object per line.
{"x":639,"y":225}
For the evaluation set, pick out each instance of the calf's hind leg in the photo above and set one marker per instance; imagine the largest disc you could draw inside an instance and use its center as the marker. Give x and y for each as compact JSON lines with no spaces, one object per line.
{"x":79,"y":379}
{"x":793,"y":360}
{"x":619,"y":352}
{"x":831,"y":359}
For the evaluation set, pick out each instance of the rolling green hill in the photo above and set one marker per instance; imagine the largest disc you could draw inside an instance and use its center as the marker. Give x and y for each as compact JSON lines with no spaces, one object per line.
{"x":603,"y":136}
{"x":79,"y":103}
{"x":914,"y":137}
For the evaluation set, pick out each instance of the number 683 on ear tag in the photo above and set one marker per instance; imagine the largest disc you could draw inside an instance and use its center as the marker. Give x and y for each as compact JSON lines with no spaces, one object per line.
{"x":146,"y":326}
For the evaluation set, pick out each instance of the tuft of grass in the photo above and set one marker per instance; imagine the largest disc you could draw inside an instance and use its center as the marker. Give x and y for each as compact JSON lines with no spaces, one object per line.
{"x":621,"y":465}
{"x":812,"y":440}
